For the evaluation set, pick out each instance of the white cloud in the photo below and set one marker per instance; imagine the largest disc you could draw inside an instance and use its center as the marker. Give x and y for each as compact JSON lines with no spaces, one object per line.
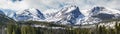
{"x":55,"y":4}
{"x":7,"y":4}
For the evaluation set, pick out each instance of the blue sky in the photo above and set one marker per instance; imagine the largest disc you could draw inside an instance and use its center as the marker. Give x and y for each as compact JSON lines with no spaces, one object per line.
{"x":56,"y":4}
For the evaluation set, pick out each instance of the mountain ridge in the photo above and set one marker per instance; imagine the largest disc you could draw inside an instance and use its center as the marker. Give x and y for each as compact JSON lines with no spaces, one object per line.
{"x":68,"y":15}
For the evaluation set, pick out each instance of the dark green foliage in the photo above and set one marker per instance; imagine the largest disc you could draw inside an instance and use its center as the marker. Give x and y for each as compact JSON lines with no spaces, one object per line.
{"x":4,"y":20}
{"x":12,"y":28}
{"x":26,"y":28}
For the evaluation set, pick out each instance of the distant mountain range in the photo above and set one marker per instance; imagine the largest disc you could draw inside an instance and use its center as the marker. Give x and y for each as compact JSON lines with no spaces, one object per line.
{"x":68,"y":15}
{"x":5,"y":19}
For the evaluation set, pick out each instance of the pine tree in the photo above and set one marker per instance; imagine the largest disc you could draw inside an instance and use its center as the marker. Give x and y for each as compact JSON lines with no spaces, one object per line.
{"x":9,"y":28}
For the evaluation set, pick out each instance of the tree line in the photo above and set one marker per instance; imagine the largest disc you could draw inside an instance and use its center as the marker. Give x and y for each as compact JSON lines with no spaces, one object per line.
{"x":28,"y":29}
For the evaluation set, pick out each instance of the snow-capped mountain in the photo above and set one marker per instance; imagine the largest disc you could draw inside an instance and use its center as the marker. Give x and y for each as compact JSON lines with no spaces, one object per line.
{"x":29,"y":14}
{"x":98,"y":14}
{"x":68,"y":15}
{"x":104,"y":13}
{"x":4,"y":19}
{"x":9,"y":13}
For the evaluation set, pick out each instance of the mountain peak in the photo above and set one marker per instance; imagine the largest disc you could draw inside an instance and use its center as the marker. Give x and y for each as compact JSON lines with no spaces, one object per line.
{"x":74,"y":10}
{"x":69,"y":8}
{"x":69,"y":15}
{"x":98,"y":8}
{"x":30,"y":14}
